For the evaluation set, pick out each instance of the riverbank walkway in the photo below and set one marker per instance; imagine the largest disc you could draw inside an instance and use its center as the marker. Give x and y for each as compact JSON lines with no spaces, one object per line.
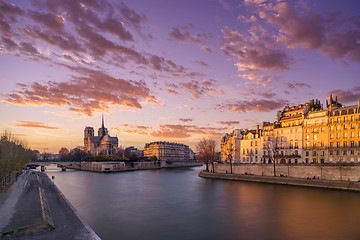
{"x":34,"y":208}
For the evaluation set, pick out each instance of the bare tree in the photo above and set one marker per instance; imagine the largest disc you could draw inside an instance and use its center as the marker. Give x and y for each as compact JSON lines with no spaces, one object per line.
{"x":206,"y":151}
{"x":270,"y":146}
{"x":229,"y":153}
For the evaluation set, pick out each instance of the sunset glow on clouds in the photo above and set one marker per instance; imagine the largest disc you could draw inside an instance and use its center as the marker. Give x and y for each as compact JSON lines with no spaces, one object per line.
{"x":164,"y":70}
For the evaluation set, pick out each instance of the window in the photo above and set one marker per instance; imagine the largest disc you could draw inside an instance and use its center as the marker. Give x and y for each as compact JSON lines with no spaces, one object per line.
{"x":338,"y":127}
{"x":352,"y":126}
{"x":331,"y":136}
{"x":331,"y":144}
{"x":345,"y":135}
{"x":307,"y":137}
{"x":332,"y":120}
{"x":332,"y":128}
{"x":337,"y":135}
{"x":255,"y":143}
{"x":352,"y":144}
{"x":352,"y":134}
{"x":345,"y":119}
{"x":345,"y":126}
{"x":306,"y":153}
{"x":314,"y":153}
{"x":331,"y":152}
{"x":352,"y":118}
{"x":315,"y":137}
{"x":338,"y":120}
{"x":338,"y":144}
{"x":344,"y":144}
{"x":344,"y":152}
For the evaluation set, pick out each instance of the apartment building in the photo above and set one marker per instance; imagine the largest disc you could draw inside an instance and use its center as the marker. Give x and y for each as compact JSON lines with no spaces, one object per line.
{"x":168,"y":151}
{"x":231,"y":143}
{"x":250,"y":146}
{"x":344,"y":134}
{"x":305,"y":133}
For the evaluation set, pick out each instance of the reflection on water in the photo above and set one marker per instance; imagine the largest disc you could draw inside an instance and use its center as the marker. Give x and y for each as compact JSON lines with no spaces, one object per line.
{"x":177,"y":204}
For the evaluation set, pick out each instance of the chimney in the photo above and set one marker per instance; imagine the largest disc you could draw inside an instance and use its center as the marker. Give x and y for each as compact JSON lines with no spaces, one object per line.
{"x":257,"y":128}
{"x":359,"y":104}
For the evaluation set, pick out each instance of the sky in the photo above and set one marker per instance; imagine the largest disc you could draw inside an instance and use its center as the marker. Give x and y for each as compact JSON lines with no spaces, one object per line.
{"x":163,"y":70}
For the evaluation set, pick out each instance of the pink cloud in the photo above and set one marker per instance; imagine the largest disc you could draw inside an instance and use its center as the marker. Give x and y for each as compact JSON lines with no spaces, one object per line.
{"x":254,"y":53}
{"x":347,"y":96}
{"x":29,"y":124}
{"x":186,"y":119}
{"x":332,"y":35}
{"x":251,"y":106}
{"x":229,"y":123}
{"x":86,"y":93}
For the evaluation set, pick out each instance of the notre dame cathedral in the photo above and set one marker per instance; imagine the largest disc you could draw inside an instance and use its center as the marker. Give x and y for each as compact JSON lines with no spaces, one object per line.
{"x":102,"y":144}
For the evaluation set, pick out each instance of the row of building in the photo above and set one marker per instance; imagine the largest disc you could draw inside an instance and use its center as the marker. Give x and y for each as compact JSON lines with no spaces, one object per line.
{"x":306,"y":133}
{"x":104,"y":144}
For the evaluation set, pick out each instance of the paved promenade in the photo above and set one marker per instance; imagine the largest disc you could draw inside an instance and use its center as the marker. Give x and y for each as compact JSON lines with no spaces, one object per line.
{"x":34,"y":208}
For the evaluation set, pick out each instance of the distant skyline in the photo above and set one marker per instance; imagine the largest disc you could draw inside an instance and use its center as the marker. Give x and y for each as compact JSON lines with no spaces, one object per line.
{"x":173,"y":71}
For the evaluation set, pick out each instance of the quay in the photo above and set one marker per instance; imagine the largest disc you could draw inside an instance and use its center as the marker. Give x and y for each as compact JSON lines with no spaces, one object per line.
{"x":108,"y":167}
{"x":317,"y":183}
{"x":34,"y":208}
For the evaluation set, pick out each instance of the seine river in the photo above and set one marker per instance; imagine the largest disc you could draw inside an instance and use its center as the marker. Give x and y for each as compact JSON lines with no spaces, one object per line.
{"x":177,"y":204}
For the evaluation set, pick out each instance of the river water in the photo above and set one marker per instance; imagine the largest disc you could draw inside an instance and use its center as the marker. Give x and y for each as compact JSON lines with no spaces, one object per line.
{"x":177,"y":204}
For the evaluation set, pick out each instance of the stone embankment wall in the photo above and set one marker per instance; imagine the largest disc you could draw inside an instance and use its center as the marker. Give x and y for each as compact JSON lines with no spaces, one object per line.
{"x":129,"y":166}
{"x":328,"y":184}
{"x":324,"y":172}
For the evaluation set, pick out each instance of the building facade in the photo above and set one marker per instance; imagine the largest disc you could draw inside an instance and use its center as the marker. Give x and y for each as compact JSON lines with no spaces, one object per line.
{"x":102,"y":144}
{"x":288,"y":131}
{"x":316,"y":136}
{"x":230,"y":146}
{"x":250,"y":146}
{"x":305,"y":133}
{"x":167,"y":151}
{"x":344,"y":134}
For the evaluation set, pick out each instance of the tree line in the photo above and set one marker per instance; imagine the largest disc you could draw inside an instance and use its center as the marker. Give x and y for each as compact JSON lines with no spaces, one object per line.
{"x":79,"y":155}
{"x":13,"y":155}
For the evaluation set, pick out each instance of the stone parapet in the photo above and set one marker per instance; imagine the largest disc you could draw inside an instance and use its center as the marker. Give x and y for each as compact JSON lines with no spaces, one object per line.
{"x":339,"y":185}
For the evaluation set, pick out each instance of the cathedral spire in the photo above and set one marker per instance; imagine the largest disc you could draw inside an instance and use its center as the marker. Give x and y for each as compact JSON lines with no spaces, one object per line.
{"x":102,"y":121}
{"x":103,"y":130}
